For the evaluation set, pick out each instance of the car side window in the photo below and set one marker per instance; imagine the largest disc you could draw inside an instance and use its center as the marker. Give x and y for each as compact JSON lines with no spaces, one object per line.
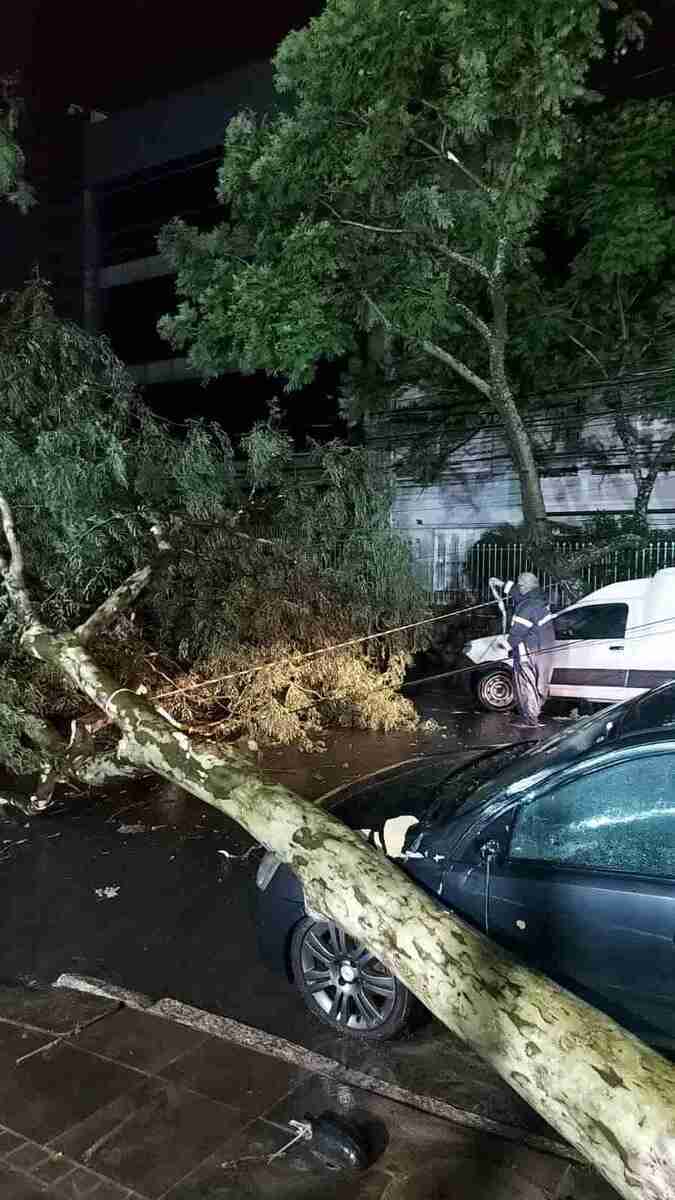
{"x":591,"y":621}
{"x":617,"y":818}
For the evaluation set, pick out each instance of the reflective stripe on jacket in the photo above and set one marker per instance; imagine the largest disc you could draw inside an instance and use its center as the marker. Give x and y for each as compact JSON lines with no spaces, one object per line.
{"x":532,"y":624}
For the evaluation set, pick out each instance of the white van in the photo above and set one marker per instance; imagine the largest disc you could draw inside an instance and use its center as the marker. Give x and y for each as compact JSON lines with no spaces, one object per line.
{"x":612,"y":645}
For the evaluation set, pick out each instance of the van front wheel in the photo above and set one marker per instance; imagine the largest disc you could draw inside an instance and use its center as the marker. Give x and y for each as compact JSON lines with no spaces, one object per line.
{"x":494,"y":689}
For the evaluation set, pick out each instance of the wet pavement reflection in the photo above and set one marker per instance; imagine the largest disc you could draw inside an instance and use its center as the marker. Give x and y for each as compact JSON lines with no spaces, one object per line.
{"x":151,"y":890}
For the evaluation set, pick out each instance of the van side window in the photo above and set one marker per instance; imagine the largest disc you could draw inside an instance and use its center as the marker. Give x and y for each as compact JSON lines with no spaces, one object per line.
{"x":592,"y":621}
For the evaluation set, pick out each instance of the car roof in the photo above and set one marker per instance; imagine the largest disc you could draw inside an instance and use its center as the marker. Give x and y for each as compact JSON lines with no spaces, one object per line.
{"x":616,"y":593}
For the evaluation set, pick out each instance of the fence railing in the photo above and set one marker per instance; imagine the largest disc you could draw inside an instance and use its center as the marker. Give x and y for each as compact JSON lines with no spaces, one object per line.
{"x":451,"y":562}
{"x":506,"y":561}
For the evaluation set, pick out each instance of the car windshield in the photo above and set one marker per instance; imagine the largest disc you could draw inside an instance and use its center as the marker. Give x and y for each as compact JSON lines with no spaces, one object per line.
{"x":512,"y":768}
{"x":462,"y":784}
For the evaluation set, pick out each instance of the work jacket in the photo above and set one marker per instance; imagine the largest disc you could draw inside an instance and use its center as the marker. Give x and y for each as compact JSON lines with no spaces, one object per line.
{"x":531,"y":624}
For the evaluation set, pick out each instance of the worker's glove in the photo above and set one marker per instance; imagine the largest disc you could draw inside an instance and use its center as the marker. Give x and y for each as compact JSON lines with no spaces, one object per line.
{"x":507,"y":587}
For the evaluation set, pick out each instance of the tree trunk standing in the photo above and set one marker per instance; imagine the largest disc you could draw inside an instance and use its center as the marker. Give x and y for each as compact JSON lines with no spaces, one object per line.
{"x":532,"y":499}
{"x":609,"y":1095}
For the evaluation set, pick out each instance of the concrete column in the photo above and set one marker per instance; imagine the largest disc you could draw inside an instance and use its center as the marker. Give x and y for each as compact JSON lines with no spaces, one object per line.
{"x":91,"y":261}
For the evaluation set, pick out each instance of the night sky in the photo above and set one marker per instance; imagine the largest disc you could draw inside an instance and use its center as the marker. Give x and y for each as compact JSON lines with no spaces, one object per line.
{"x":114,"y":55}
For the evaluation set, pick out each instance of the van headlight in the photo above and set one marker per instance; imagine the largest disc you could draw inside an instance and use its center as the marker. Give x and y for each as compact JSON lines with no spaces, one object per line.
{"x":269,"y":865}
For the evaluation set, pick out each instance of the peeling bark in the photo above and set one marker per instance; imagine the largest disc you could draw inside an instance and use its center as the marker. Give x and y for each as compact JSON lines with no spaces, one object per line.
{"x":612,"y":1097}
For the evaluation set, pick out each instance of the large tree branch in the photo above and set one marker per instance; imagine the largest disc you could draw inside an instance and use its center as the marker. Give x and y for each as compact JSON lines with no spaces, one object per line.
{"x":128,"y":592}
{"x":463,"y":260}
{"x":434,"y":350}
{"x":457,"y":366}
{"x":473,"y":319}
{"x":12,"y":568}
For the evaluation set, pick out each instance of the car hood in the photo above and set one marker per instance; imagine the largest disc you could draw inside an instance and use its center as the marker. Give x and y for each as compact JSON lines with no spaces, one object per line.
{"x":380,"y":809}
{"x":434,"y":790}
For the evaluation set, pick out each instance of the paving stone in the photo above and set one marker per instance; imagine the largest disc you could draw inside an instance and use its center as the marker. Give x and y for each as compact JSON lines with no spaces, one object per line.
{"x":163,"y":1140}
{"x":18,"y":1187}
{"x":78,"y":1141}
{"x":138,"y":1040}
{"x":241,"y":1078}
{"x":79,"y":1185}
{"x":283,"y":1181}
{"x":49,"y":1093}
{"x":27,"y":1157}
{"x":110,"y":1191}
{"x":52,"y":1009}
{"x":413,"y":1145}
{"x":9,"y":1141}
{"x":53,"y":1169}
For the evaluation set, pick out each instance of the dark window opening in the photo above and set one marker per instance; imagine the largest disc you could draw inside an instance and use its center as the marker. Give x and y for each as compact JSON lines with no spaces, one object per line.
{"x":590,"y":622}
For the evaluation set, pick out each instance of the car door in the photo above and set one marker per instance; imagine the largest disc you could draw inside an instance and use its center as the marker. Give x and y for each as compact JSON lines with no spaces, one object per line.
{"x":586,"y":887}
{"x":589,"y":657}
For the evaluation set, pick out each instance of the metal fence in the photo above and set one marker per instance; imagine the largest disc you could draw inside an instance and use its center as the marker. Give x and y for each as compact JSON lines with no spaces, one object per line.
{"x":448,"y":563}
{"x":443,"y":580}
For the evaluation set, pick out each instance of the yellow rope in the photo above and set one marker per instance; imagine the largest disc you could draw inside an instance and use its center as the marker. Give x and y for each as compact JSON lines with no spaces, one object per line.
{"x":369,"y":637}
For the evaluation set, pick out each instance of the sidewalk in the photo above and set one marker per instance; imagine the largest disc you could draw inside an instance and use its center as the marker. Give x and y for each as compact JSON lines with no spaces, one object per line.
{"x":137,"y":1106}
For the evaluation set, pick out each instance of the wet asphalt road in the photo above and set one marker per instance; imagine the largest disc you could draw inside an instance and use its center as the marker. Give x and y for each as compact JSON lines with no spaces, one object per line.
{"x":136,"y":890}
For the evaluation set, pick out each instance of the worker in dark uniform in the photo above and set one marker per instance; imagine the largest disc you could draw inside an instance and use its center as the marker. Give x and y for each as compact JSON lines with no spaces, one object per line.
{"x":531,"y":638}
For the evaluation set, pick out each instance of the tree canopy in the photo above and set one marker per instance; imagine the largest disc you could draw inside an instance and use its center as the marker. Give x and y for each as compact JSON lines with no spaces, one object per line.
{"x":403,"y":189}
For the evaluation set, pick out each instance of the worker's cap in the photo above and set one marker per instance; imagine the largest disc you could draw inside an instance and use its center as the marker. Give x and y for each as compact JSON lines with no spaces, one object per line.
{"x":527,"y":582}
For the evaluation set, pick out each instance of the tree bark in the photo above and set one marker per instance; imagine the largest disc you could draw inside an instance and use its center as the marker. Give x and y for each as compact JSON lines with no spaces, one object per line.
{"x":522,"y":453}
{"x":609,"y":1095}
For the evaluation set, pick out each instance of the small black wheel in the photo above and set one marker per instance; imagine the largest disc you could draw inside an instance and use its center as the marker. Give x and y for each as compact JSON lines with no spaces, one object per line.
{"x":343,"y":984}
{"x":494,"y":689}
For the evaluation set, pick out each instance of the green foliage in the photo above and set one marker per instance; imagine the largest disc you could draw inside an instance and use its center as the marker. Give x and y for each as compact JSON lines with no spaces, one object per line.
{"x":614,"y":309}
{"x":412,"y":132}
{"x":87,"y":467}
{"x":620,"y":195}
{"x":268,"y":451}
{"x":13,"y":186}
{"x":82,"y":461}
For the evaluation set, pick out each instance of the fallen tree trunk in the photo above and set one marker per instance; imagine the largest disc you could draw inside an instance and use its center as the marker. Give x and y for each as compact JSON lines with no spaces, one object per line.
{"x":608,"y":1094}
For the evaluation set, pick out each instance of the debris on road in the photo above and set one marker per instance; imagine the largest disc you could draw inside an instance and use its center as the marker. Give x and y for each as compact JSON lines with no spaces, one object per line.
{"x":109,"y":892}
{"x":240,"y":857}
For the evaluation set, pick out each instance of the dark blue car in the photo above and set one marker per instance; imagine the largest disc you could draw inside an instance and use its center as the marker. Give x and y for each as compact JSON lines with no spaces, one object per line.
{"x":563,"y":851}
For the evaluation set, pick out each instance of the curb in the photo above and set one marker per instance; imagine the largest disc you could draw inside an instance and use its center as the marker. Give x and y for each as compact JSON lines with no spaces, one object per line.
{"x":266,"y":1043}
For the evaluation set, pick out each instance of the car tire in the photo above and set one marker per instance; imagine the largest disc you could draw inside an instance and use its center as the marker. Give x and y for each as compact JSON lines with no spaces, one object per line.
{"x":494,"y":689}
{"x":366,"y":1002}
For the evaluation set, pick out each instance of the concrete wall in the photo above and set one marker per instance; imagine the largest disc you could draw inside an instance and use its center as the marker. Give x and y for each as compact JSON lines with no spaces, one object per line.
{"x":480,"y":490}
{"x":174,"y":127}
